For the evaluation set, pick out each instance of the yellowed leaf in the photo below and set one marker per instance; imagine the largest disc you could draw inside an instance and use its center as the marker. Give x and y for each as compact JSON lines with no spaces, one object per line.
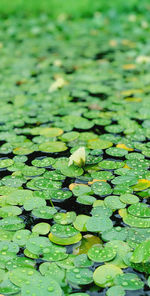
{"x":87,"y":242}
{"x":95,"y":180}
{"x":123,"y":146}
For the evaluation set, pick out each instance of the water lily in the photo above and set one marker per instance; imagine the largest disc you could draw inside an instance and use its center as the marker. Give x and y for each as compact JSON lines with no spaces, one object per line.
{"x":78,"y":157}
{"x":143,"y":59}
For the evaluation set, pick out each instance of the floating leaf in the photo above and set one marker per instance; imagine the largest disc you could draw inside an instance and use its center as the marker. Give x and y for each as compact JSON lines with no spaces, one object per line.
{"x":129,"y":281}
{"x":79,"y":276}
{"x":99,"y":254}
{"x":99,"y":144}
{"x":104,"y":275}
{"x":51,"y":147}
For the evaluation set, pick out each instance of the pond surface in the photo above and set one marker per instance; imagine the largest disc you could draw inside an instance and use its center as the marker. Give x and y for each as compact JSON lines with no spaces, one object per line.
{"x":74,"y":157}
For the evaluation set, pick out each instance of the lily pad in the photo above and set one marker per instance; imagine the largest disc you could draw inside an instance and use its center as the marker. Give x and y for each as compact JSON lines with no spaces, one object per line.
{"x":100,"y":254}
{"x":139,"y":210}
{"x":101,"y":188}
{"x":71,"y":171}
{"x":42,"y":286}
{"x":104,"y":275}
{"x":12,"y":223}
{"x":129,"y":198}
{"x":116,"y":290}
{"x":65,"y":218}
{"x":99,"y":144}
{"x":64,"y":241}
{"x":51,"y":269}
{"x":129,"y":281}
{"x":21,"y":276}
{"x":79,"y":276}
{"x":98,"y":224}
{"x":45,"y":213}
{"x":113,"y":202}
{"x":41,"y":228}
{"x":51,"y":147}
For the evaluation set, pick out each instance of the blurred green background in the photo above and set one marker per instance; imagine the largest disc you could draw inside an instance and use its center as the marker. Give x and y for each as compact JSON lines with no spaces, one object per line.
{"x":73,"y":8}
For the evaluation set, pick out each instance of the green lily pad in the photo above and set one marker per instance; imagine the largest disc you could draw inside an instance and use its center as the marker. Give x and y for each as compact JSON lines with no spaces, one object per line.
{"x":6,"y":190}
{"x":13,"y":181}
{"x":110,"y":164}
{"x":41,"y":228}
{"x":51,"y":147}
{"x":86,"y":199}
{"x":70,"y":136}
{"x":122,"y":248}
{"x":65,"y":218}
{"x":117,"y":152}
{"x":21,"y":236}
{"x":20,"y":276}
{"x":116,"y":233}
{"x":9,"y":247}
{"x":43,"y":162}
{"x":133,"y":220}
{"x":138,"y":163}
{"x":126,"y":180}
{"x":36,"y":245}
{"x":45,"y":213}
{"x":51,"y":269}
{"x":67,"y":263}
{"x":43,"y":183}
{"x":8,"y":288}
{"x":139,"y":210}
{"x":102,"y":175}
{"x":16,"y":167}
{"x":6,"y":162}
{"x":54,"y":175}
{"x":114,"y":128}
{"x":137,"y":236}
{"x":104,"y":275}
{"x":32,"y":171}
{"x":100,"y":254}
{"x":122,"y":189}
{"x":101,"y":188}
{"x":41,"y":286}
{"x":8,"y":211}
{"x":81,"y":189}
{"x":65,"y":241}
{"x":113,"y":202}
{"x":12,"y":223}
{"x":141,"y":253}
{"x":71,"y":171}
{"x":20,"y":158}
{"x":82,"y":261}
{"x":101,"y":211}
{"x":63,"y":231}
{"x":6,"y":235}
{"x":129,"y":198}
{"x":47,"y":131}
{"x":98,"y":224}
{"x":18,"y":197}
{"x":34,"y":203}
{"x":79,"y":276}
{"x":20,"y":262}
{"x":116,"y":290}
{"x":80,"y":222}
{"x":99,"y":144}
{"x":129,"y":281}
{"x":54,"y":253}
{"x":78,"y":294}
